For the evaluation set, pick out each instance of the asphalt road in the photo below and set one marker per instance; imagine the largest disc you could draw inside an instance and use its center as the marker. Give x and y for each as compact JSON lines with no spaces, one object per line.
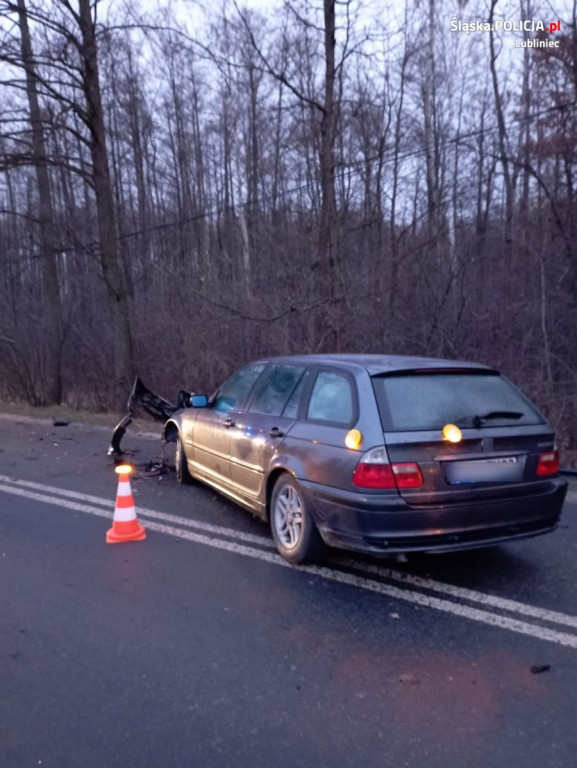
{"x":200,"y":647}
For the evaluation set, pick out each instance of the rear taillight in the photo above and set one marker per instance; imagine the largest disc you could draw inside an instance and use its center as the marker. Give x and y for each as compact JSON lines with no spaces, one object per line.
{"x":407,"y":475}
{"x":375,"y":471}
{"x":548,"y":464}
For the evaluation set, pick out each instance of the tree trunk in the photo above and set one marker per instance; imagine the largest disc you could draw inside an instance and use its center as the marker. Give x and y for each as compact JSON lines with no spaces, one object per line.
{"x":51,"y":388}
{"x":328,"y":223}
{"x":110,"y":259}
{"x":502,"y":133}
{"x":328,"y":330}
{"x":435,"y":213}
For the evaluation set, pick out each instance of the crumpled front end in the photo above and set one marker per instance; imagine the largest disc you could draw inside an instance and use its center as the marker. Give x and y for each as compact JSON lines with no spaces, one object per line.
{"x":143,"y":400}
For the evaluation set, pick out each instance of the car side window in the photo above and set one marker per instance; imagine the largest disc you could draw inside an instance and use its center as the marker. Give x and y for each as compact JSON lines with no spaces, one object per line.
{"x":292,"y":407}
{"x":274,"y":389}
{"x":332,"y":398}
{"x":234,"y":391}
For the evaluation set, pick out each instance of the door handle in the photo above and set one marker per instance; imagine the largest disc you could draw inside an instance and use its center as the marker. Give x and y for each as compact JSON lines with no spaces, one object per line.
{"x":275,"y":432}
{"x":229,"y":423}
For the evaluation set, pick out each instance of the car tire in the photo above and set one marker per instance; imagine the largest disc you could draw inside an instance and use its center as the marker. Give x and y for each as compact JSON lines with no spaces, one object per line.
{"x":182,"y":472}
{"x":293,"y":528}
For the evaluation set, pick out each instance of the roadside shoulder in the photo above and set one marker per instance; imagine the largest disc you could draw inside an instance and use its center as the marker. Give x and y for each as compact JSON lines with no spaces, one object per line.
{"x":100,"y":421}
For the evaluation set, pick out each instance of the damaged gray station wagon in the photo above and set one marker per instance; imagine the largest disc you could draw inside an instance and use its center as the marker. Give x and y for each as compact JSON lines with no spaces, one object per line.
{"x":378,"y":454}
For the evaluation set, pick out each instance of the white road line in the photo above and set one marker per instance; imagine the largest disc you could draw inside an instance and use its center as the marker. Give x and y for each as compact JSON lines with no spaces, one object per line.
{"x":442,"y":588}
{"x":109,"y":504}
{"x":57,"y":491}
{"x":486,"y":600}
{"x":56,"y":501}
{"x":402,"y":577}
{"x":388,"y":590}
{"x":493,"y":619}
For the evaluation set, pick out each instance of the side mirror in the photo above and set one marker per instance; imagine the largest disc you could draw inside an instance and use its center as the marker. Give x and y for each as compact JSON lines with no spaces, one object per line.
{"x":199,"y":401}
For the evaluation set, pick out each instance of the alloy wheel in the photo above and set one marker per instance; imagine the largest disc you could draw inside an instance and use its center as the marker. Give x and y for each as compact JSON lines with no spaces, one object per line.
{"x":288,"y":516}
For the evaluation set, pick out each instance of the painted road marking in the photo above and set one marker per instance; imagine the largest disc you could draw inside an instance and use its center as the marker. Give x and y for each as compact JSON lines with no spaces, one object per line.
{"x":359,"y":581}
{"x":472,"y":595}
{"x":486,"y":600}
{"x":209,"y":527}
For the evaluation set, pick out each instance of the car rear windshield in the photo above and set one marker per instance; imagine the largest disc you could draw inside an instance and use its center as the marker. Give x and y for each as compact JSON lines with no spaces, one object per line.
{"x":422,"y":401}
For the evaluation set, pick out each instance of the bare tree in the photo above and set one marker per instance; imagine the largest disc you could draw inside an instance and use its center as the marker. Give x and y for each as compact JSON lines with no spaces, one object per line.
{"x":273,"y":184}
{"x":51,"y":384}
{"x":502,"y":129}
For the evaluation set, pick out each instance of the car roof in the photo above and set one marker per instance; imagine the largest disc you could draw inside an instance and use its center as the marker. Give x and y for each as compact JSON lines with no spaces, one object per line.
{"x":378,"y":364}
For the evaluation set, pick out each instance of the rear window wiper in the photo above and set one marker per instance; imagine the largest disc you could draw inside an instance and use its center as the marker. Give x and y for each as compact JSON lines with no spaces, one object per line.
{"x":478,"y":420}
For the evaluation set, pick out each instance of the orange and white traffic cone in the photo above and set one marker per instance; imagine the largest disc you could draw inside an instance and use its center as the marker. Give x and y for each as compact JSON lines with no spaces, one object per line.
{"x":125,"y":526}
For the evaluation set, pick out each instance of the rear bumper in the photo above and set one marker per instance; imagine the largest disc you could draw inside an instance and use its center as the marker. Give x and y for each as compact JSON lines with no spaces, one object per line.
{"x":384,"y":523}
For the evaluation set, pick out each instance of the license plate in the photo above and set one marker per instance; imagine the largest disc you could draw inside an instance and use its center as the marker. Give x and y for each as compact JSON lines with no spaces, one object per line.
{"x":503,"y":469}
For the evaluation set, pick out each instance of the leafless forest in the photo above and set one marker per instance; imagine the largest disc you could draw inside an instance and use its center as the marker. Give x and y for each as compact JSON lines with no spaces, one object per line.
{"x":186,"y":187}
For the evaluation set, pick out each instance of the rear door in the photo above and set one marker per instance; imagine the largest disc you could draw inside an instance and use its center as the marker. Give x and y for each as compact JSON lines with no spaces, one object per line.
{"x":502,"y":433}
{"x":330,"y":408}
